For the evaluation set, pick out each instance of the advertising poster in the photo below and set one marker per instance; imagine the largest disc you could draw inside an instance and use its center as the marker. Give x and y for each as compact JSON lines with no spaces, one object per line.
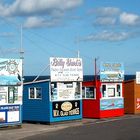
{"x":111,"y":72}
{"x":10,"y":71}
{"x":66,"y":91}
{"x":3,"y":95}
{"x":66,"y":108}
{"x":137,"y":77}
{"x":13,"y":114}
{"x":138,"y":103}
{"x":66,"y":69}
{"x":109,"y":104}
{"x":2,"y":117}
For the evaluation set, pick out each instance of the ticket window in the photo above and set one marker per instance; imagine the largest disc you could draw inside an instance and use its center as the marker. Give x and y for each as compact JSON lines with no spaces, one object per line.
{"x":8,"y":94}
{"x":65,"y":91}
{"x":111,"y":90}
{"x":88,"y":92}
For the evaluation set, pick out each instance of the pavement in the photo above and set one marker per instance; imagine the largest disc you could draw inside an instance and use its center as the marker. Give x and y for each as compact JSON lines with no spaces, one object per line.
{"x":30,"y":129}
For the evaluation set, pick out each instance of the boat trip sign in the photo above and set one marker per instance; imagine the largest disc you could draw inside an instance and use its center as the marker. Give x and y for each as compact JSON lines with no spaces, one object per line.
{"x":111,"y":72}
{"x":66,"y":69}
{"x":10,"y":71}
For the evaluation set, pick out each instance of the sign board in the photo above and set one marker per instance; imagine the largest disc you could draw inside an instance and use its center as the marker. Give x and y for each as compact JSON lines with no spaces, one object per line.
{"x":66,"y":69}
{"x":10,"y":71}
{"x":111,"y":72}
{"x":109,"y":104}
{"x":138,"y":103}
{"x":66,"y":91}
{"x":10,"y":114}
{"x":137,"y":77}
{"x":66,"y":108}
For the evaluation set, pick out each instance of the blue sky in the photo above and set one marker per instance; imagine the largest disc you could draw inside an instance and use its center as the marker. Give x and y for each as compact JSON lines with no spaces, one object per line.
{"x":105,"y":29}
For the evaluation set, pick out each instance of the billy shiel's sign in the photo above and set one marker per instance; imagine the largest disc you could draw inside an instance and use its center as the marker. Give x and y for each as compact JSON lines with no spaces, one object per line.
{"x":111,"y":72}
{"x":10,"y":71}
{"x":66,"y":69}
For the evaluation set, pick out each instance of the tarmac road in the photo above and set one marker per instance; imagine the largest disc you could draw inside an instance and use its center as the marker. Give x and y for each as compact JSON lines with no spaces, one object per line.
{"x":119,"y":128}
{"x":115,"y":129}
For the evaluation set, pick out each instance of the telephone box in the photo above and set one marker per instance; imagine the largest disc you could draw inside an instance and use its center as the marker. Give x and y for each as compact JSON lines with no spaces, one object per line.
{"x":11,"y":87}
{"x":104,"y":98}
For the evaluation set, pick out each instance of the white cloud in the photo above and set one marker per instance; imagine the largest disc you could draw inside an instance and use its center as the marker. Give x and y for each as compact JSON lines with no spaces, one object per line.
{"x":105,"y":11}
{"x":129,"y":19}
{"x":105,"y":21}
{"x":6,"y":34}
{"x":37,"y":7}
{"x":35,"y":22}
{"x":107,"y":36}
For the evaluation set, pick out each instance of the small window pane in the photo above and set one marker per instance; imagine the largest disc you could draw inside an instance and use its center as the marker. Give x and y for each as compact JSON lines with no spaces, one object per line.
{"x":38,"y":93}
{"x":118,"y":90}
{"x":53,"y":91}
{"x":111,"y":92}
{"x":83,"y":92}
{"x":104,"y":90}
{"x":31,"y":93}
{"x":77,"y":91}
{"x":90,"y":92}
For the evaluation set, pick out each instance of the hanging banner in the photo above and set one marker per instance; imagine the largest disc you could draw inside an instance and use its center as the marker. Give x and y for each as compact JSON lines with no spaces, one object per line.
{"x":111,"y":72}
{"x":66,"y":69}
{"x":10,"y":71}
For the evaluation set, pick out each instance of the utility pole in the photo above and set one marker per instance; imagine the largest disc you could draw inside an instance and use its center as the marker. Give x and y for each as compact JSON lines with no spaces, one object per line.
{"x":95,"y":70}
{"x":21,"y":44}
{"x":21,"y":47}
{"x":78,"y":54}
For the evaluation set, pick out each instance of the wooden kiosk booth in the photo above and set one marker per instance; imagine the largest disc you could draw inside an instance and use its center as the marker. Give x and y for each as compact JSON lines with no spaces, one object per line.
{"x":58,"y":98}
{"x":11,"y":87}
{"x":132,"y":95}
{"x":104,"y":98}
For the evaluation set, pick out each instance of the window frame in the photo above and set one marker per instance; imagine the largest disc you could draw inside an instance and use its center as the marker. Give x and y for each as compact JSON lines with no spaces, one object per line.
{"x":35,"y":93}
{"x":114,"y":86}
{"x":85,"y":95}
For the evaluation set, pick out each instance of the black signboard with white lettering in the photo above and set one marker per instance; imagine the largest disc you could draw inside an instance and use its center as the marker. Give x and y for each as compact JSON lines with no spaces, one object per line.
{"x":66,"y":108}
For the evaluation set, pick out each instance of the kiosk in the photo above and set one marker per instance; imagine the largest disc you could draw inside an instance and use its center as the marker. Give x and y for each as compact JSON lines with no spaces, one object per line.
{"x":58,"y":98}
{"x":104,"y":98}
{"x":11,"y":87}
{"x":132,"y":95}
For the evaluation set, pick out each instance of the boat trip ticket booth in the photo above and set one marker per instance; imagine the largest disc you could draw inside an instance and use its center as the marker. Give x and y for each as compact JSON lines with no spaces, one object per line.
{"x":132,"y":95}
{"x":58,"y":98}
{"x":11,"y":87}
{"x":104,"y":97}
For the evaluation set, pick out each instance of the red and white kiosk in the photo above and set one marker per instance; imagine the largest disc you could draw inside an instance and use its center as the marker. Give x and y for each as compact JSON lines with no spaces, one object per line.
{"x":104,"y":98}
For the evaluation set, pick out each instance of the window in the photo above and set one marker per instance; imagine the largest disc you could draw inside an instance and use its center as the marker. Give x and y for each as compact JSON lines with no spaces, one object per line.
{"x":77,"y":90}
{"x":65,"y":91}
{"x":83,"y":92}
{"x":118,"y":90}
{"x":38,"y":93}
{"x":104,"y":90}
{"x":111,"y":90}
{"x":88,"y":92}
{"x":53,"y":91}
{"x":35,"y":93}
{"x":31,"y":93}
{"x":3,"y":95}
